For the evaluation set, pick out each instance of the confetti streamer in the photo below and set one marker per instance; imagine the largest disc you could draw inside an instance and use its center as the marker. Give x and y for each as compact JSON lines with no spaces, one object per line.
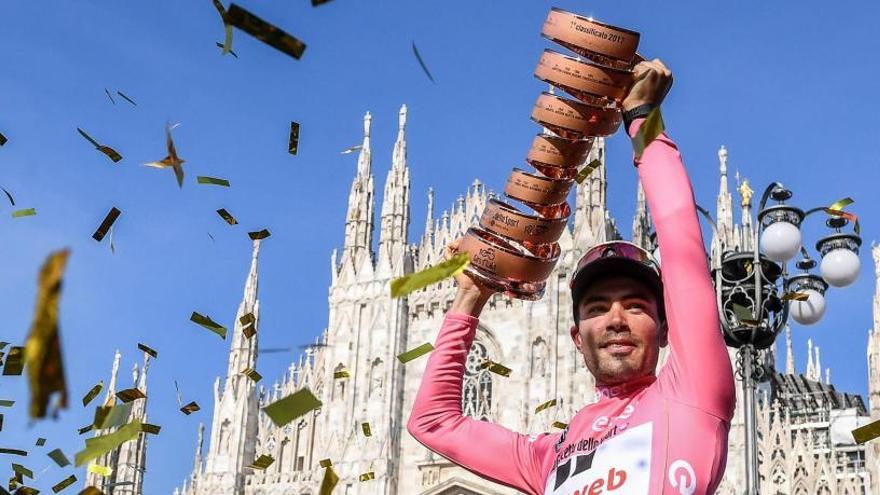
{"x":248,"y":321}
{"x":843,"y":203}
{"x":227,"y":43}
{"x":262,"y":234}
{"x":130,"y":394}
{"x":98,"y":446}
{"x":415,"y":281}
{"x":61,"y":485}
{"x":126,"y":98}
{"x":92,"y":393}
{"x":422,"y":63}
{"x":417,"y":352}
{"x":111,"y":217}
{"x":26,"y":212}
{"x":172,"y":160}
{"x":651,"y":128}
{"x":264,"y":31}
{"x":13,"y":452}
{"x":285,"y":410}
{"x":151,"y":429}
{"x":18,"y":468}
{"x":9,"y":195}
{"x":7,"y":403}
{"x":212,"y":180}
{"x":795,"y":296}
{"x":293,"y":143}
{"x":84,"y":429}
{"x":325,"y":463}
{"x":315,"y":3}
{"x":14,"y":361}
{"x":350,"y":150}
{"x":220,"y":45}
{"x":26,"y":490}
{"x":90,"y":490}
{"x":847,"y":215}
{"x":252,"y":374}
{"x":43,"y":347}
{"x":262,"y":462}
{"x":550,"y":403}
{"x":866,"y":433}
{"x":110,"y":152}
{"x":497,"y":368}
{"x":149,"y":350}
{"x":58,"y":456}
{"x":369,"y":475}
{"x":560,"y":425}
{"x":587,"y":170}
{"x":112,"y":416}
{"x":365,"y":427}
{"x":207,"y":322}
{"x":328,"y":483}
{"x":225,"y":215}
{"x":1,"y":422}
{"x":190,"y":408}
{"x":99,"y":469}
{"x":40,"y":442}
{"x":343,"y":373}
{"x":109,"y":96}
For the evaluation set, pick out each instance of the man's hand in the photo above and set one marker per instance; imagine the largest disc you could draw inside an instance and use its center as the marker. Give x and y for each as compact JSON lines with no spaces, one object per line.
{"x":472,"y":295}
{"x":652,"y":81}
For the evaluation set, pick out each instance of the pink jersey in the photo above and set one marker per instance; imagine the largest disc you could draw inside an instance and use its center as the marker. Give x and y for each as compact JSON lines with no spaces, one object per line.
{"x":664,"y":434}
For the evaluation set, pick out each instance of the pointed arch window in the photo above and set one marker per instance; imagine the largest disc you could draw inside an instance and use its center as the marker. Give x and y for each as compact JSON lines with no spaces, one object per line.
{"x":477,"y":386}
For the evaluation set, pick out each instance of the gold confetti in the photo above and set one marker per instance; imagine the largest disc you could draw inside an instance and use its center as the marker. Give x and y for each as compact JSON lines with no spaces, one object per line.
{"x":220,"y":45}
{"x":415,"y":281}
{"x":14,"y":361}
{"x":43,"y":347}
{"x":852,"y":217}
{"x":149,"y":350}
{"x":112,"y":416}
{"x":92,"y":393}
{"x":126,"y":98}
{"x":324,"y":463}
{"x":795,"y":296}
{"x":560,"y":425}
{"x":248,"y":321}
{"x":351,"y":149}
{"x":212,"y":180}
{"x":252,"y":374}
{"x":109,"y":96}
{"x":866,"y":433}
{"x":151,"y":429}
{"x":90,"y":490}
{"x":40,"y":442}
{"x":744,"y":315}
{"x":13,"y":451}
{"x":285,"y":410}
{"x":261,"y":234}
{"x":58,"y":456}
{"x":369,"y":475}
{"x":99,"y":469}
{"x":414,"y":353}
{"x":1,"y":422}
{"x":366,"y":429}
{"x":3,"y":139}
{"x":843,"y":203}
{"x":265,"y":32}
{"x":225,"y":215}
{"x":315,"y":3}
{"x":587,"y":170}
{"x":343,"y":373}
{"x":293,"y":143}
{"x":328,"y":483}
{"x":18,"y":468}
{"x":172,"y":160}
{"x":7,"y":403}
{"x":262,"y":462}
{"x":130,"y":394}
{"x":26,"y":212}
{"x":207,"y":322}
{"x":550,"y":403}
{"x":84,"y":429}
{"x":111,"y":217}
{"x":110,"y":152}
{"x":98,"y":446}
{"x":422,"y":62}
{"x":26,"y":490}
{"x":651,"y":128}
{"x":190,"y":408}
{"x":227,"y":43}
{"x":497,"y":368}
{"x":61,"y":485}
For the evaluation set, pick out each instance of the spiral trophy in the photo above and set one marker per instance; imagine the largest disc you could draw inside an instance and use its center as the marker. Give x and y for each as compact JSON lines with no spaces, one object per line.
{"x":515,"y":247}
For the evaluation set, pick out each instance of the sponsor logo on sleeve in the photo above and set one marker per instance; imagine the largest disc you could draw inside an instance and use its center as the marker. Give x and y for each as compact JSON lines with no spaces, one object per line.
{"x":682,"y":476}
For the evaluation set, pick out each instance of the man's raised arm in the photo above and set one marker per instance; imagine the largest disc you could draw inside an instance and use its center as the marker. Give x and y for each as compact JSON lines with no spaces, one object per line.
{"x":698,"y":370}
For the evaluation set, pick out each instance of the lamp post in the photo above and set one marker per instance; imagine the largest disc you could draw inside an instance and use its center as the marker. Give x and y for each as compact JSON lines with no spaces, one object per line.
{"x":756,"y":294}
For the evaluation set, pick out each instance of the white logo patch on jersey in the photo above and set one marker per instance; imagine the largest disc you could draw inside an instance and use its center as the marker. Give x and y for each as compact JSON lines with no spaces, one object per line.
{"x":619,"y":466}
{"x":682,"y":476}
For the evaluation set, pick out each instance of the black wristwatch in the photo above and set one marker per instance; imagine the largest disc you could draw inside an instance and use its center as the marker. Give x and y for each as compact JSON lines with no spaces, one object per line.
{"x":636,"y":113}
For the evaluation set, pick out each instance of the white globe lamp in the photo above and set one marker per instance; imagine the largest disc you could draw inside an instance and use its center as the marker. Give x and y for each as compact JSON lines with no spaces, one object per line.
{"x":840,"y":259}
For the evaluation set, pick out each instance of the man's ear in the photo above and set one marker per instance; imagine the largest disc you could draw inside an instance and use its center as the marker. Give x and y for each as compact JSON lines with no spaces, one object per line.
{"x":576,"y":336}
{"x":663,"y":334}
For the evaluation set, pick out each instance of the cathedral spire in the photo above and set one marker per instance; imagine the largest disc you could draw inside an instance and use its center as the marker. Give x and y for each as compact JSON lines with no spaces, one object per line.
{"x":197,"y":460}
{"x":243,"y":349}
{"x":395,"y":206}
{"x":789,"y":353}
{"x":724,"y":238}
{"x":359,"y":219}
{"x":111,"y":388}
{"x":591,"y":221}
{"x":641,"y":233}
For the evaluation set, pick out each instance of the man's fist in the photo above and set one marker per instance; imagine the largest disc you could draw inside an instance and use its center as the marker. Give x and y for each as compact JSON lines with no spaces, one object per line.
{"x":652,"y":81}
{"x":465,"y":282}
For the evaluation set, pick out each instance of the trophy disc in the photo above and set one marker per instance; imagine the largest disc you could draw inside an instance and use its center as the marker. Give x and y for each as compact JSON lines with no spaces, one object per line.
{"x":586,"y":81}
{"x":534,"y":189}
{"x":604,"y":44}
{"x":554,"y":151}
{"x":573,"y":119}
{"x":507,"y":221}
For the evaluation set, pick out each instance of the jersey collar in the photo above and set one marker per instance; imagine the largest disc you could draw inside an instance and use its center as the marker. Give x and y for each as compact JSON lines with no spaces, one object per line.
{"x":608,"y":391}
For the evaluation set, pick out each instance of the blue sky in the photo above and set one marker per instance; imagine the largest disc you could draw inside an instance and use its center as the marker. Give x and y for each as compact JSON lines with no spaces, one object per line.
{"x":786,"y":86}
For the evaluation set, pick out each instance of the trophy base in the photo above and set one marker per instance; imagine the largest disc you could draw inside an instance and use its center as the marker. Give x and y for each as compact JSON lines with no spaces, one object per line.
{"x":527,"y":291}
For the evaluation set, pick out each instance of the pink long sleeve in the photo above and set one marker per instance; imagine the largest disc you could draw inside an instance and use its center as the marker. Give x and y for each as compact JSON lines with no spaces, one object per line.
{"x":486,"y":449}
{"x":698,"y":370}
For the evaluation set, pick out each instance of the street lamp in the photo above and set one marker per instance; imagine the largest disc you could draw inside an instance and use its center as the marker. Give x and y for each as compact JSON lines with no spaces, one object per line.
{"x":755,"y":293}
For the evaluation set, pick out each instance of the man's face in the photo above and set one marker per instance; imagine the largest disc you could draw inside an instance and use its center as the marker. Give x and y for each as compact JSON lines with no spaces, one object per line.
{"x":619,"y":333}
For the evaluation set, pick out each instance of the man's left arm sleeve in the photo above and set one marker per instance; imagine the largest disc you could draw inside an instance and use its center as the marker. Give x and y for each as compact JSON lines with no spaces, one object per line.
{"x":698,"y":370}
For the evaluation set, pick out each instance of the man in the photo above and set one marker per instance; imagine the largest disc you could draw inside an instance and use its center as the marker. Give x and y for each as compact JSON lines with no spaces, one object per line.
{"x":646,"y":434}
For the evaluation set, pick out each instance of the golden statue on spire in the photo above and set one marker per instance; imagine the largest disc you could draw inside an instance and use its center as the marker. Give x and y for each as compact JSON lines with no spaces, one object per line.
{"x":746,"y":192}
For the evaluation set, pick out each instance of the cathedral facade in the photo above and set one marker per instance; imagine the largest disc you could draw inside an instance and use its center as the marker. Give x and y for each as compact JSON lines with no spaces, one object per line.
{"x":802,"y":447}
